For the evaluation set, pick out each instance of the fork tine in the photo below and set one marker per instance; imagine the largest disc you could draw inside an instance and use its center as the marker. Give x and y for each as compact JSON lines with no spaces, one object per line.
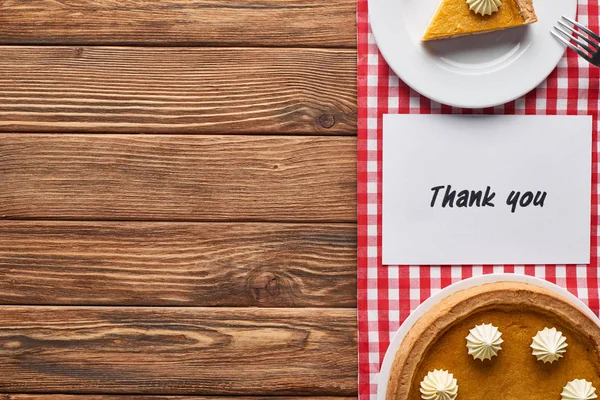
{"x":582,"y":27}
{"x":579,"y":34}
{"x":575,"y":49}
{"x":580,"y":42}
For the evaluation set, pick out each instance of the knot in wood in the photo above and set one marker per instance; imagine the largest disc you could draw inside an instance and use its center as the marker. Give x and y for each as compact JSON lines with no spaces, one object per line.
{"x":327,"y":121}
{"x":265,"y":287}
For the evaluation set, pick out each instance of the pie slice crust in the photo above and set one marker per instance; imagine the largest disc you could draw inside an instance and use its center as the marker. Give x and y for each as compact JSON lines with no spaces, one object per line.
{"x":453,"y":18}
{"x":437,"y":340}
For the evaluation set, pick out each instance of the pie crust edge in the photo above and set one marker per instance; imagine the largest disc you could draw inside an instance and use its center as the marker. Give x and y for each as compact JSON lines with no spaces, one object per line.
{"x":527,"y":11}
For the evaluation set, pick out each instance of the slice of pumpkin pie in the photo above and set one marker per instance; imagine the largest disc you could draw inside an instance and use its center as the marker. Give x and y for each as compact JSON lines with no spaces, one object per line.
{"x":467,"y":17}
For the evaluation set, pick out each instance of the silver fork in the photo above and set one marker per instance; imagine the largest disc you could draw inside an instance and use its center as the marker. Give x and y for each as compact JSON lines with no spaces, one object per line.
{"x":588,"y":49}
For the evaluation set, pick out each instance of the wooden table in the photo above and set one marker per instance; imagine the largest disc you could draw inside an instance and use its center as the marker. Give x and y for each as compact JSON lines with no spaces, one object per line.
{"x":177,"y":198}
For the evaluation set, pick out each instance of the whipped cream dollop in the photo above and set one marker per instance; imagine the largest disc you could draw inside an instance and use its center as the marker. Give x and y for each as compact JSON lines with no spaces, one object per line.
{"x":579,"y":389}
{"x":439,"y":385}
{"x":484,"y":7}
{"x":549,"y":345}
{"x":484,"y":342}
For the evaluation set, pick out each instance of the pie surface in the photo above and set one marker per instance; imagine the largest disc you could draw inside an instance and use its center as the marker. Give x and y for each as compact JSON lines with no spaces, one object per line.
{"x":437,"y":341}
{"x":454,"y":18}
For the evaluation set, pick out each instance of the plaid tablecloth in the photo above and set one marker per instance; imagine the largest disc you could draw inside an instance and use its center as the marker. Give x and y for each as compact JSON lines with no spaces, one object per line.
{"x":387,"y":294}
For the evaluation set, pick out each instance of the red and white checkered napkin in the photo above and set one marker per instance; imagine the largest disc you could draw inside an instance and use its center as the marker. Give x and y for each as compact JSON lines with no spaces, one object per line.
{"x":387,"y":294}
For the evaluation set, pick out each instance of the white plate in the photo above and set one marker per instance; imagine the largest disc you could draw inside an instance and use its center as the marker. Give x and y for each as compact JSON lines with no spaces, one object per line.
{"x":386,"y":366}
{"x":474,"y":71}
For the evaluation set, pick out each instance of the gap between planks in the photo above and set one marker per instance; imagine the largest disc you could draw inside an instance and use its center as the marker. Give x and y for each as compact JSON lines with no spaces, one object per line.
{"x":214,"y":45}
{"x":191,"y":222}
{"x":249,"y":133}
{"x":99,"y":396}
{"x":186,"y":221}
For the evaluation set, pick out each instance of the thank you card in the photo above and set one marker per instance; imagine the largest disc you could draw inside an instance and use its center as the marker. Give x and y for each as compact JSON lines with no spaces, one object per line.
{"x":461,"y":189}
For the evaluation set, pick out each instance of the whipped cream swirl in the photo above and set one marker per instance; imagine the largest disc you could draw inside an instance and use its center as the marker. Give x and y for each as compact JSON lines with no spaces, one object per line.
{"x":579,"y":389}
{"x":484,"y":7}
{"x":549,"y":345}
{"x":439,"y":385}
{"x":484,"y":342}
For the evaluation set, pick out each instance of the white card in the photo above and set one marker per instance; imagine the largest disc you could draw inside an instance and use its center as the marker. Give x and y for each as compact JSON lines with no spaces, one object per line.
{"x":544,"y":161}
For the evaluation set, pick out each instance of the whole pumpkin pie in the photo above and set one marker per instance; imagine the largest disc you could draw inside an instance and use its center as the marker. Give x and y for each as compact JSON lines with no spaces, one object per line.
{"x":457,"y":18}
{"x":437,"y":342}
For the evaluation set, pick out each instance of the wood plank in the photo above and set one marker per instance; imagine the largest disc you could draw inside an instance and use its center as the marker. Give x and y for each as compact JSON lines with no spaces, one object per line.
{"x":7,"y":396}
{"x":207,"y":264}
{"x":185,"y":178}
{"x":177,"y":90}
{"x":107,"y":350}
{"x":313,"y":23}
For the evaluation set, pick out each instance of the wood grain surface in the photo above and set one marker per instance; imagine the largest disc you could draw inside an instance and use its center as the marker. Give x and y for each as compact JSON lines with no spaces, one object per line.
{"x":7,"y":396}
{"x":178,"y":350}
{"x":206,"y":264}
{"x":322,"y":23}
{"x":178,"y":199}
{"x":243,"y":178}
{"x":177,"y":90}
